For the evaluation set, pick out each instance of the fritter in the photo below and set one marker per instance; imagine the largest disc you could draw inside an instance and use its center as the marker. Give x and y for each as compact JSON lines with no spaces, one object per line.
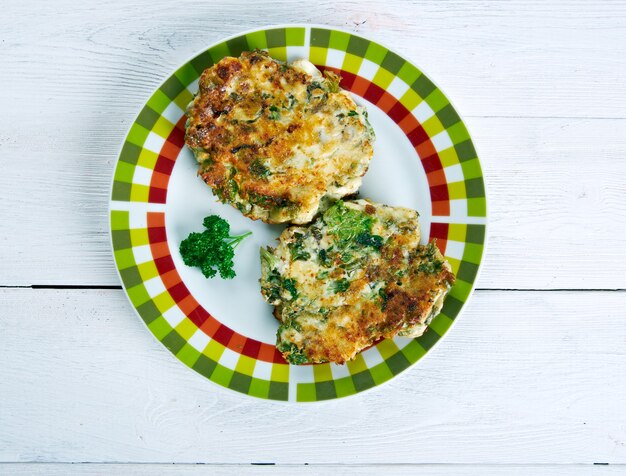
{"x":355,"y":275}
{"x":277,"y":140}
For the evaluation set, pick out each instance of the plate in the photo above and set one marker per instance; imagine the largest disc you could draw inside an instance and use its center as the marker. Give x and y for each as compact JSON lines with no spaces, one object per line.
{"x":424,"y":159}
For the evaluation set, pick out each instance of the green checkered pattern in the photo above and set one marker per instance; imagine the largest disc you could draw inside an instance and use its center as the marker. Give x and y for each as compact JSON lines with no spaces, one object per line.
{"x":398,"y":354}
{"x":154,"y":304}
{"x":420,"y":91}
{"x":153,"y":125}
{"x":174,"y":95}
{"x":395,"y":355}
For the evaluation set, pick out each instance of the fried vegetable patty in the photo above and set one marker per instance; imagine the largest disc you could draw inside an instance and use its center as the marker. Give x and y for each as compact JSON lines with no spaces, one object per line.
{"x":276,"y":140}
{"x":355,"y":275}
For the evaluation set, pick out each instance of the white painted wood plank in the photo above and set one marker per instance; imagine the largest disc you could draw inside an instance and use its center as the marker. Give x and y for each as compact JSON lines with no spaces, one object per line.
{"x":556,"y":191}
{"x":556,"y":203}
{"x":523,"y":377}
{"x":74,"y":75}
{"x":50,"y":469}
{"x":514,"y":58}
{"x":556,"y":186}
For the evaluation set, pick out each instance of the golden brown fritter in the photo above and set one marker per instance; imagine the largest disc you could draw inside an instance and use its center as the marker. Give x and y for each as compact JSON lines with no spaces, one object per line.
{"x":275,"y":140}
{"x":355,"y":275}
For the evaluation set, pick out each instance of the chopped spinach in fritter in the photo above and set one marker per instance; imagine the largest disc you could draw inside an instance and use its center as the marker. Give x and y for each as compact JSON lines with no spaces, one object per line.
{"x":354,"y":276}
{"x":297,"y":248}
{"x":277,"y":125}
{"x":346,"y":223}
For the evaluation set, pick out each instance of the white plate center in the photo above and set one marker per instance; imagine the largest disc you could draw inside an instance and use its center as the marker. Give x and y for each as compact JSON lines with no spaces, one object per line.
{"x":395,"y":177}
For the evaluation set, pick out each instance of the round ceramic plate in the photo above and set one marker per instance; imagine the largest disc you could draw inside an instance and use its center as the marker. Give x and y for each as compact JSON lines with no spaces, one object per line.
{"x":424,"y":159}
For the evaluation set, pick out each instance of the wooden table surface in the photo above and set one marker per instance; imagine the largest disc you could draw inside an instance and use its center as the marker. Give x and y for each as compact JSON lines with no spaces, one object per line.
{"x":531,"y":380}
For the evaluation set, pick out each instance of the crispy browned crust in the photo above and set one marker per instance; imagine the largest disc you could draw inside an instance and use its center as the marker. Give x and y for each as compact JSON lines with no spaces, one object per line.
{"x":230,"y":126}
{"x":405,"y":303}
{"x":396,"y":290}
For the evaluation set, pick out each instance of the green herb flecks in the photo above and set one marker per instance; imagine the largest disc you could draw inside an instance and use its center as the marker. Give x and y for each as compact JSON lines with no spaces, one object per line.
{"x":339,"y":286}
{"x":428,"y":255}
{"x":291,"y":102}
{"x":316,"y":92}
{"x":229,"y":189}
{"x":431,"y":267}
{"x":367,"y":239}
{"x":383,"y":298}
{"x":294,"y":355}
{"x":297,"y":248}
{"x":332,"y":81}
{"x":270,"y":201}
{"x":288,"y":325}
{"x":290,"y":286}
{"x":275,"y":285}
{"x":273,"y":288}
{"x":207,"y":163}
{"x":259,"y":169}
{"x":322,"y":275}
{"x":274,"y":114}
{"x":346,"y":224}
{"x":324,"y":312}
{"x":268,"y":260}
{"x":324,"y":259}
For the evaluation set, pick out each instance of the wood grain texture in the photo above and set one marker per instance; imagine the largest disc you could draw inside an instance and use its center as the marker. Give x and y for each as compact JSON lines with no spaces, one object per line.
{"x":556,"y":208}
{"x":526,"y":383}
{"x":523,"y":377}
{"x":87,"y":79}
{"x":50,"y":469}
{"x":74,"y":82}
{"x":516,"y":58}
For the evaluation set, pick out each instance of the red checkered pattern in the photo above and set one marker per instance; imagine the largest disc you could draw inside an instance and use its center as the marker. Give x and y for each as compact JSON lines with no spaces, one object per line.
{"x":411,"y":127}
{"x":158,"y":194}
{"x":191,"y":308}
